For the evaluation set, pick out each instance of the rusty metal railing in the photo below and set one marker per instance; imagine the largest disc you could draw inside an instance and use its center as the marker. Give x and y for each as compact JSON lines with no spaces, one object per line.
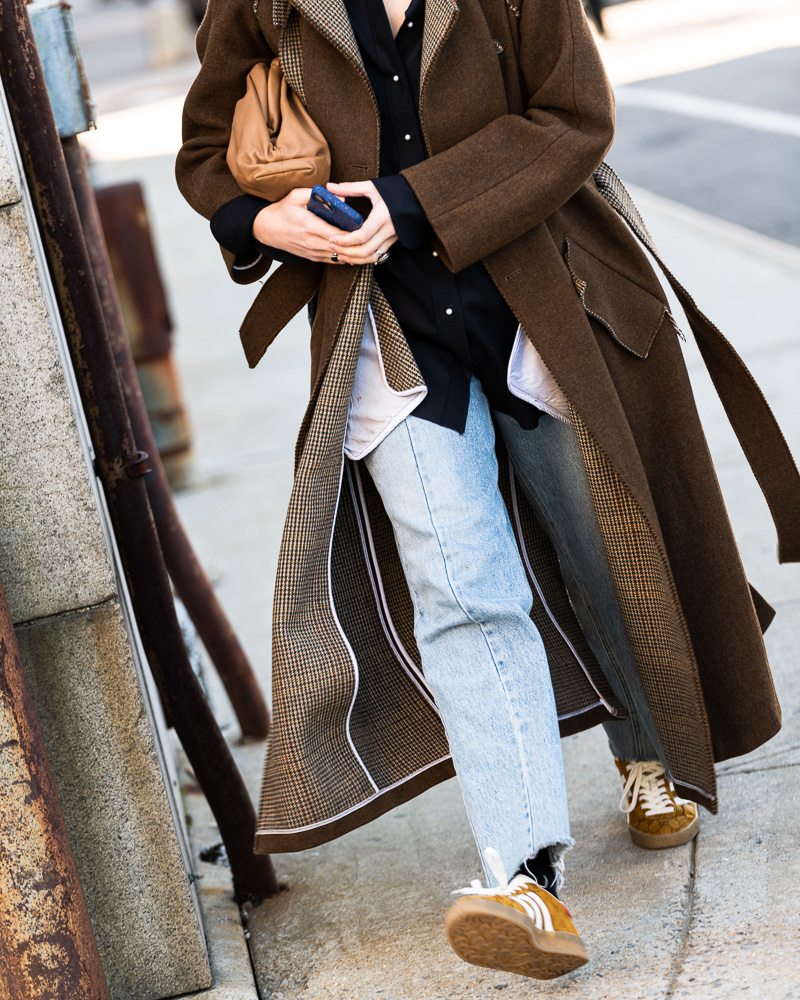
{"x":148,"y":323}
{"x":47,"y":945}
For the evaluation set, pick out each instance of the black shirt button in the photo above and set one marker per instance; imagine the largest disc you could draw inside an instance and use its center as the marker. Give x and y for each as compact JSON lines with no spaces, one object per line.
{"x":498,"y":45}
{"x":448,"y":311}
{"x":407,"y":137}
{"x":396,"y":78}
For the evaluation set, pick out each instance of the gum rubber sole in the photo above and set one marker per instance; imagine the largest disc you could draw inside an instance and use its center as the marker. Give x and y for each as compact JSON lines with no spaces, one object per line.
{"x":483,"y":932}
{"x":655,"y":841}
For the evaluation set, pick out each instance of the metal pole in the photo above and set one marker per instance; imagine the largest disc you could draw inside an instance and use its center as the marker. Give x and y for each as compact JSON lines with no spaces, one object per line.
{"x":187,"y":574}
{"x":145,"y":313}
{"x":120,"y":465}
{"x":47,"y":945}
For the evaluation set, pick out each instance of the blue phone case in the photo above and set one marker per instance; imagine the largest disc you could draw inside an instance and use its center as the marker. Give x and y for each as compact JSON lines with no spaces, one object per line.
{"x":333,"y":210}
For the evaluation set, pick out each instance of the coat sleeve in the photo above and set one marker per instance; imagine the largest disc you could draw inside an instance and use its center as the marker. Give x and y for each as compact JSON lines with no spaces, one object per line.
{"x":229,"y":43}
{"x":507,"y":177}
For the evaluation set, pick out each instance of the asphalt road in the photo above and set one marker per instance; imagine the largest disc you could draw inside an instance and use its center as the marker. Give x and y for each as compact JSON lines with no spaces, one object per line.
{"x":747,"y":175}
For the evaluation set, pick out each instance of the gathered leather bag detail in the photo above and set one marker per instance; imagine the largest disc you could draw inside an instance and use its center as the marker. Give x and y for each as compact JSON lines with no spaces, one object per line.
{"x":275,"y":145}
{"x":630,"y":313}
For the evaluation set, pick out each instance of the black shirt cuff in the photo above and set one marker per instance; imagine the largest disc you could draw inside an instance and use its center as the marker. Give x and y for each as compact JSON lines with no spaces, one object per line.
{"x":408,"y":216}
{"x":232,"y":228}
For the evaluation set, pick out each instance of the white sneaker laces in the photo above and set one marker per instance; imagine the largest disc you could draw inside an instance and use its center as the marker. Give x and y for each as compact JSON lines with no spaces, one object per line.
{"x":647,"y":781}
{"x":495,"y":865}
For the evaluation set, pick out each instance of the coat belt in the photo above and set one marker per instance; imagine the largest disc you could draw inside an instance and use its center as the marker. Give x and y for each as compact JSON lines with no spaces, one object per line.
{"x":748,"y":411}
{"x":283,"y":295}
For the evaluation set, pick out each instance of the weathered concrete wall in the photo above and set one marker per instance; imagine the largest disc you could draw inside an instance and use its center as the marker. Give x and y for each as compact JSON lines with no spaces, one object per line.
{"x":100,"y":729}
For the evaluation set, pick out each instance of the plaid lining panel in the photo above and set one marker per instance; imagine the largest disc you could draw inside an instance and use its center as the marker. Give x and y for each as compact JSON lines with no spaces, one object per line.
{"x":330,"y":18}
{"x":291,"y":55}
{"x":653,"y":619}
{"x":439,"y":18}
{"x":311,"y":770}
{"x":394,"y":730}
{"x":400,"y":367}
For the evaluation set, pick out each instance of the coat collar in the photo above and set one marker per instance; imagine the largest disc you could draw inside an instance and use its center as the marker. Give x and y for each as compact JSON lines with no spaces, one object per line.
{"x":330,"y":18}
{"x":440,"y":16}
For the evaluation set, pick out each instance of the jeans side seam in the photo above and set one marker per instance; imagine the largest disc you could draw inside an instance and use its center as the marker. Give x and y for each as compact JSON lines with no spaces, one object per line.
{"x":640,"y":734}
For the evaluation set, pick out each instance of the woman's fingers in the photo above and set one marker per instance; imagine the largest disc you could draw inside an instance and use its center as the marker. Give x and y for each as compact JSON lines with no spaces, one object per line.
{"x":312,"y":225}
{"x":362,"y":235}
{"x":368,"y":252}
{"x":294,"y":228}
{"x":353,"y":189}
{"x":299,"y":196}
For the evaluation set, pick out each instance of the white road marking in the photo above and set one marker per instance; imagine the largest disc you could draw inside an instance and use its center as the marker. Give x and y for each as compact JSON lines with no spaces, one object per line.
{"x":710,"y":109}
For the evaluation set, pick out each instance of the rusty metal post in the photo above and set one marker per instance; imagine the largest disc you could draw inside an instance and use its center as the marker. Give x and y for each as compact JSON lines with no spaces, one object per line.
{"x":47,"y":945}
{"x":120,"y":466}
{"x":145,"y":312}
{"x":189,"y":577}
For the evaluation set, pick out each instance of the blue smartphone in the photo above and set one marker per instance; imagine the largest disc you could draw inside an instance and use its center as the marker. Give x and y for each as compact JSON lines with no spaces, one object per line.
{"x":333,"y":210}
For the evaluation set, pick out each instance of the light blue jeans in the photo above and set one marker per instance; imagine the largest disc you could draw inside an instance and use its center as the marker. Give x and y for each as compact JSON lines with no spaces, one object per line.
{"x":481,"y":653}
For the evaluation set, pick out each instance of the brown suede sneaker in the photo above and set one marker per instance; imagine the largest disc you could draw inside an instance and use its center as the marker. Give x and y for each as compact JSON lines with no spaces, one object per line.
{"x":657,"y":817}
{"x":519,"y":927}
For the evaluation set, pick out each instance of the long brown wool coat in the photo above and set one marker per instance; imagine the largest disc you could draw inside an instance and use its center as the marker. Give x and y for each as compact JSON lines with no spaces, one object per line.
{"x":517,"y":115}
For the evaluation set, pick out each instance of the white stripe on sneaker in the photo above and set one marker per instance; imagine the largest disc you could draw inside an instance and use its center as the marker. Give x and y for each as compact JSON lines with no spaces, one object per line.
{"x":545,"y":921}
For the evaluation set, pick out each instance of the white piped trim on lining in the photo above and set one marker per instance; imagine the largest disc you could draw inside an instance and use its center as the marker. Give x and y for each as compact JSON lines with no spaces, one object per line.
{"x":380,"y":595}
{"x":355,"y":808}
{"x":353,"y":660}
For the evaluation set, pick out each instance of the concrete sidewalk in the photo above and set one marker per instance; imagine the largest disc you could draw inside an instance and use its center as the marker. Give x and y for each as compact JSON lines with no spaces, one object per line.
{"x":362,"y":917}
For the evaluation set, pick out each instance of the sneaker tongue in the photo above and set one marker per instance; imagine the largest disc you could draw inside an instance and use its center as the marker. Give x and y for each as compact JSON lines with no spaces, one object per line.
{"x":541,"y":870}
{"x":522,"y":882}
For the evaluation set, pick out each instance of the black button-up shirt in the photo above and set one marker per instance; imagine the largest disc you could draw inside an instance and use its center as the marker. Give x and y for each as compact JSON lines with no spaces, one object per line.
{"x":457,"y":324}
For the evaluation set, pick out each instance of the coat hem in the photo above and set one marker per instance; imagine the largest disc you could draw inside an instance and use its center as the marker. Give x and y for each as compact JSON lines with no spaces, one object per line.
{"x":710,"y":802}
{"x":304,"y":837}
{"x":585,"y":718}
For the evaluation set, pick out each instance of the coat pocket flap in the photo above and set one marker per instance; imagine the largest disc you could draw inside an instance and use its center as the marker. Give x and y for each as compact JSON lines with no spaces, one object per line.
{"x":630,"y":313}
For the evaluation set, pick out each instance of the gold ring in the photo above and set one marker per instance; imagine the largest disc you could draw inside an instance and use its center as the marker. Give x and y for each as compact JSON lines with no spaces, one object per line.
{"x":335,"y":258}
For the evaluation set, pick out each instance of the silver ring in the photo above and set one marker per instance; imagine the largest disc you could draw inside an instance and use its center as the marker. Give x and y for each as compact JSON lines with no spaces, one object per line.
{"x":335,"y":258}
{"x":382,"y":256}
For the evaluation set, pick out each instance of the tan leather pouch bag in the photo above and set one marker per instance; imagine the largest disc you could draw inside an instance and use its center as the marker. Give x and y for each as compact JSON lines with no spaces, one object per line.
{"x":274,"y":145}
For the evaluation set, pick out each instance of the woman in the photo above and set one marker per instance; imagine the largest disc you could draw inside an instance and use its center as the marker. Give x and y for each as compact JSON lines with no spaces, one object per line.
{"x":488,"y":535}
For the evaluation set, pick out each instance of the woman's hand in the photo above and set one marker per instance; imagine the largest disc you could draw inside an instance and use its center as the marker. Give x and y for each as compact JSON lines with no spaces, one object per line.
{"x":288,"y":225}
{"x":377,"y":234}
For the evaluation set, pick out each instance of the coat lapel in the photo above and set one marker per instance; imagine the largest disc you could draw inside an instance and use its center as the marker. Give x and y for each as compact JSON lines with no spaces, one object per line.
{"x":330,"y":18}
{"x":440,"y":16}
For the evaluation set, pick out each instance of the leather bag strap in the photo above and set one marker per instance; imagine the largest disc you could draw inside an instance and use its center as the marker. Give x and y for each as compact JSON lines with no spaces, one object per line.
{"x":747,"y":409}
